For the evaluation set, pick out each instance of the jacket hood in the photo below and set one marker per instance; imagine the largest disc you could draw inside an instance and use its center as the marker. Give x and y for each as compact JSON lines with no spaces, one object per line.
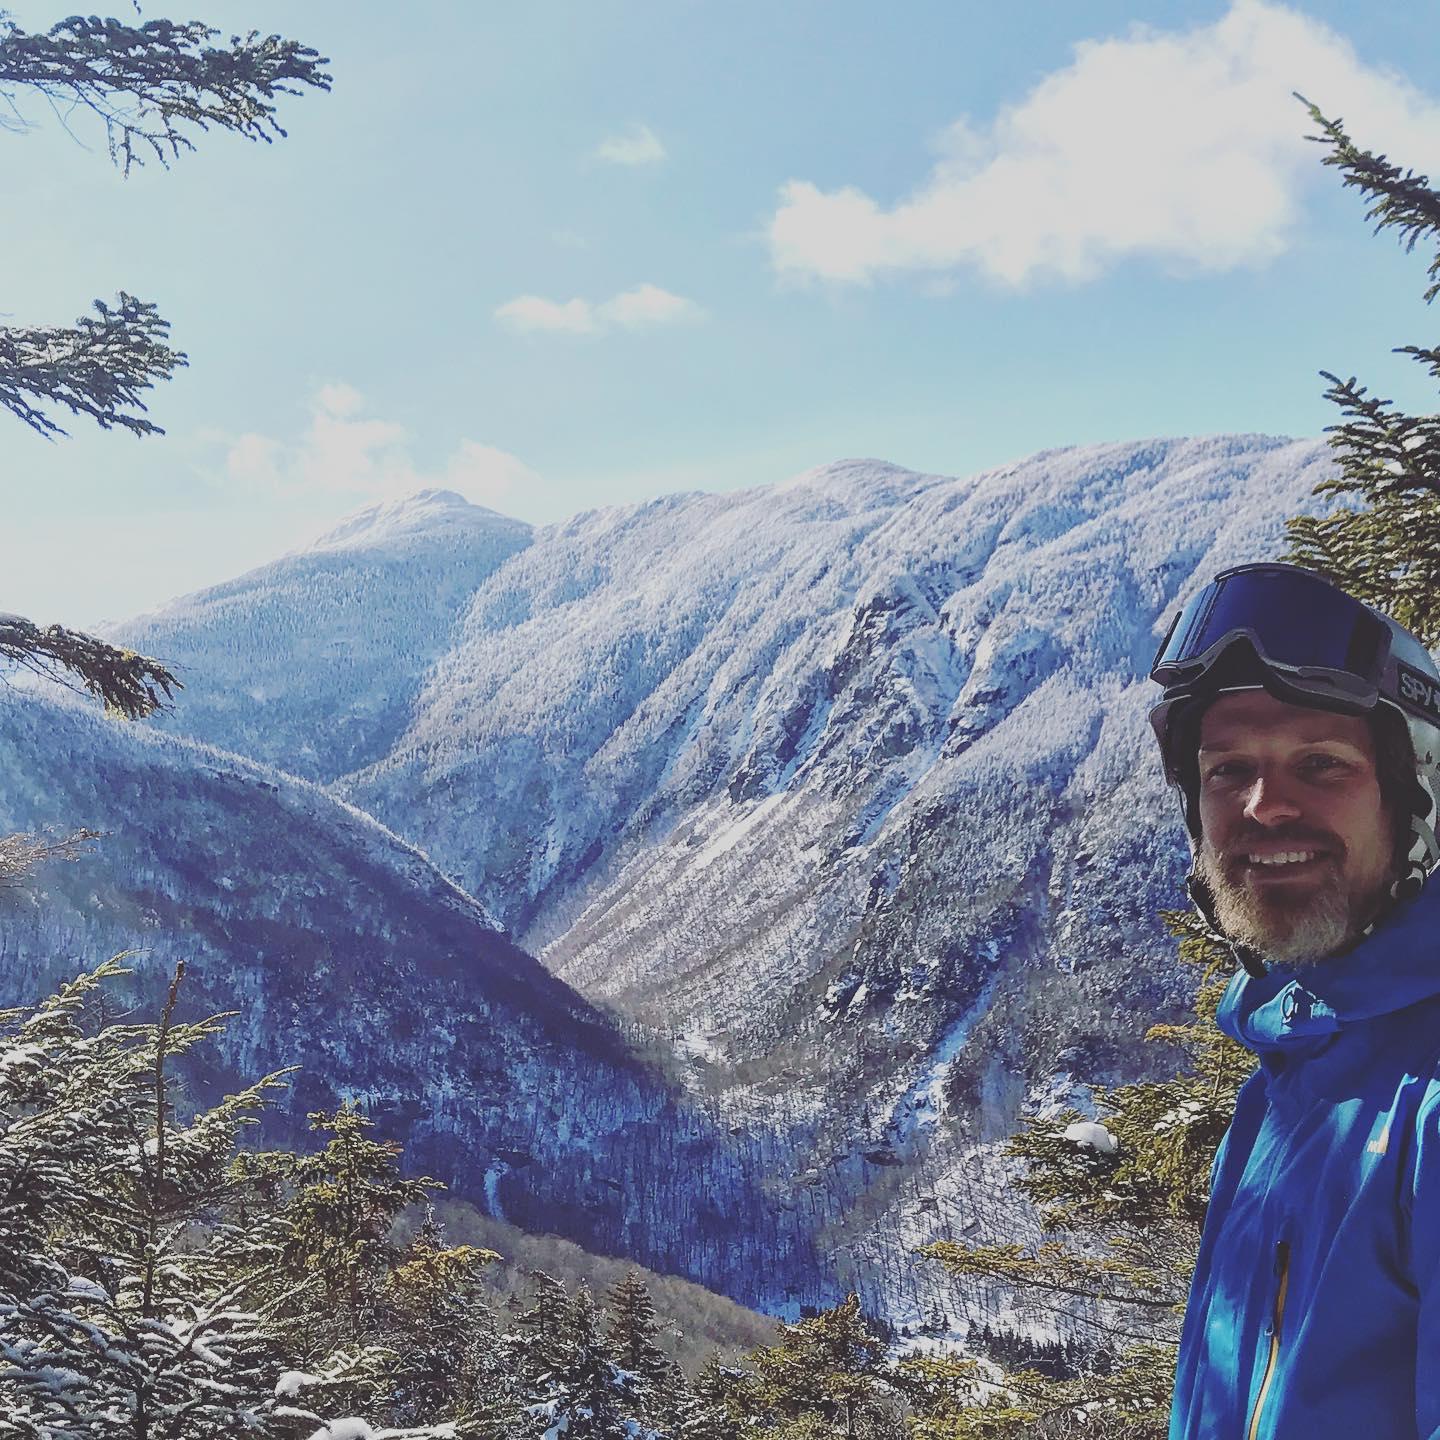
{"x":1397,"y":965}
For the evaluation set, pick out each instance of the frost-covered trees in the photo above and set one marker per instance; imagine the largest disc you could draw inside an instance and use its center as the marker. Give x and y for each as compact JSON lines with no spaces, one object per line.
{"x":443,"y":1334}
{"x":571,"y":1382}
{"x":631,"y":1330}
{"x":824,"y":1376}
{"x":156,"y":1285}
{"x":1125,"y":1214}
{"x":342,"y":1203}
{"x":114,"y":1318}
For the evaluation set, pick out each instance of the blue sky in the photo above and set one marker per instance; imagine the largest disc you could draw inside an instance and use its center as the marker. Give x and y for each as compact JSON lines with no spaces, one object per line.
{"x":558,"y":256}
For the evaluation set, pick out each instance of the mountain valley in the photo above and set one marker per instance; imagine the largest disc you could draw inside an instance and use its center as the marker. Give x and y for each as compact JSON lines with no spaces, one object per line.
{"x":829,"y":808}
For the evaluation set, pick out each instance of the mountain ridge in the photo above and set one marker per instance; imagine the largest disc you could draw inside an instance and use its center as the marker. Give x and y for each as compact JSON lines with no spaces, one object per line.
{"x":839,"y":791}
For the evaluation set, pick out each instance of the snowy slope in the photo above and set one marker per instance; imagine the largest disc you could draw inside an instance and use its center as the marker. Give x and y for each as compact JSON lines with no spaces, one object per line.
{"x":311,"y":663}
{"x":845,"y":785}
{"x":842,"y":789}
{"x":344,"y":951}
{"x":700,"y":750}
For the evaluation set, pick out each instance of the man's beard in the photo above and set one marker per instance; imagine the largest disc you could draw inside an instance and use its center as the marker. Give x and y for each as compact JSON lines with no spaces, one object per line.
{"x":1290,"y":924}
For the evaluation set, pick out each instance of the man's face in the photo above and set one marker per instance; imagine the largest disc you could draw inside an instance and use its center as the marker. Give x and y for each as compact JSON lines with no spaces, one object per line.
{"x":1295,"y":845}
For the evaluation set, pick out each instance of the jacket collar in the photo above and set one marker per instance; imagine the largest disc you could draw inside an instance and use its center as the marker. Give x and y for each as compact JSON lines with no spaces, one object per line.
{"x":1397,"y":965}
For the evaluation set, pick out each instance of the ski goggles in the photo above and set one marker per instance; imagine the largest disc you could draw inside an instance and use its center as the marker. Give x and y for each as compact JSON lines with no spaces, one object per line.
{"x":1313,"y":639}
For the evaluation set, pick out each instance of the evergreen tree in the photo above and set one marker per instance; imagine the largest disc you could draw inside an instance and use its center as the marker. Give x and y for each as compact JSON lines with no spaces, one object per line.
{"x":574,"y":1386}
{"x":538,"y":1345}
{"x":1383,"y":544}
{"x":156,"y":1285}
{"x":128,"y":1301}
{"x":824,"y":1377}
{"x":435,"y":1320}
{"x":709,"y":1409}
{"x":1125,"y":1216}
{"x":327,"y":1219}
{"x":631,"y":1331}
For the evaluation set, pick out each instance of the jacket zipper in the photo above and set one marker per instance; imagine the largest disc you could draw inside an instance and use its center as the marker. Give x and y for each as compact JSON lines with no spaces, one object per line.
{"x":1282,"y":1273}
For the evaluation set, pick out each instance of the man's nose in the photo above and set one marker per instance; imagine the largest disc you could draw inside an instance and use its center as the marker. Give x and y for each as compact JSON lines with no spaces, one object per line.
{"x":1270,"y":801}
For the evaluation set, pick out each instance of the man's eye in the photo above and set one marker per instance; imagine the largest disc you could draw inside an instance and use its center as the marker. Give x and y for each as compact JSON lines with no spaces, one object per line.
{"x":1225,"y":770}
{"x":1320,"y":764}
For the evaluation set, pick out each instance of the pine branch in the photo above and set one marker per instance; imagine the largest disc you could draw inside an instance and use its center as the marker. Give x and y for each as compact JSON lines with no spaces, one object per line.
{"x":151,"y":83}
{"x":1382,"y":450}
{"x":1057,"y":1271}
{"x":22,"y":855}
{"x":129,"y":685}
{"x":1399,"y":199}
{"x":97,"y":368}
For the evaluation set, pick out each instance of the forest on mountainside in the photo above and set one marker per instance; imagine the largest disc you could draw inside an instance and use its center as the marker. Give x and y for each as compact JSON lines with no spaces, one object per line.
{"x":162,"y":1279}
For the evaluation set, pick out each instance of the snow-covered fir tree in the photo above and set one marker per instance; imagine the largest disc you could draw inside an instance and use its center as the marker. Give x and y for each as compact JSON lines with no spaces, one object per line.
{"x":126,"y":1300}
{"x":444,"y":1337}
{"x":149,"y":1284}
{"x":572,"y":1383}
{"x":824,"y":1376}
{"x":631,"y":1330}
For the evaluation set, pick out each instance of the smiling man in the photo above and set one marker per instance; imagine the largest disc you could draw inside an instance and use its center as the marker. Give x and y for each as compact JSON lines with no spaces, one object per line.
{"x":1302,"y":732}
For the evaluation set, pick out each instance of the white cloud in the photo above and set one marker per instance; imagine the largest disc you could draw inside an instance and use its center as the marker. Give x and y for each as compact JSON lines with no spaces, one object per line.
{"x":637,"y":145}
{"x":1186,"y":146}
{"x":645,"y":307}
{"x":339,"y":398}
{"x":344,"y":454}
{"x":487,"y":474}
{"x":534,"y":312}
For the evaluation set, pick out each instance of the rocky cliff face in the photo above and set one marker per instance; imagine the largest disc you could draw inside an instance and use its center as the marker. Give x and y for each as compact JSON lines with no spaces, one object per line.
{"x":840,"y":792}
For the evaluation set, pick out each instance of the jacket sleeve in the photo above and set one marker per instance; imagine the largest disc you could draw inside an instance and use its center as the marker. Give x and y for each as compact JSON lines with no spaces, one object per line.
{"x":1420,"y":1205}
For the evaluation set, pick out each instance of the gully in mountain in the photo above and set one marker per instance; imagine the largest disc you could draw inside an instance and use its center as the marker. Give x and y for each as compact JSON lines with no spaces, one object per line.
{"x":1296,"y":728}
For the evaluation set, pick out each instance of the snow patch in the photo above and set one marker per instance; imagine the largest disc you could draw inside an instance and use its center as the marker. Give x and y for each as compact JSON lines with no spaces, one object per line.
{"x":287,"y":1387}
{"x":1092,"y":1136}
{"x":731,"y":835}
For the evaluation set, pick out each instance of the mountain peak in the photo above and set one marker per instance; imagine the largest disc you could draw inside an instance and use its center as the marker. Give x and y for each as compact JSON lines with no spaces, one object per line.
{"x":859,"y":483}
{"x":422,"y":512}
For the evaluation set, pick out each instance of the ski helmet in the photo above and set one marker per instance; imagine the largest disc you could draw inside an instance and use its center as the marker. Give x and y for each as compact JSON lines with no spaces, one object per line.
{"x":1297,"y":635}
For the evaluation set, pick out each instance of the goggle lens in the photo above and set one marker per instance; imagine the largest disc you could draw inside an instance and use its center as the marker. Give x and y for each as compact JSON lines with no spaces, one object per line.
{"x":1294,"y":619}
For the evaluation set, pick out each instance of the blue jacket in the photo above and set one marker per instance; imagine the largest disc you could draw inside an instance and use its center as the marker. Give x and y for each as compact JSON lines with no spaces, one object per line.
{"x":1315,"y":1308}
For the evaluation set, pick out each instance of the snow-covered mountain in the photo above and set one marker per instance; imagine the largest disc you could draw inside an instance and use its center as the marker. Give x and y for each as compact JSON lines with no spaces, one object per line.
{"x":344,"y":951}
{"x":311,"y":663}
{"x":841,"y":789}
{"x":866,"y":744}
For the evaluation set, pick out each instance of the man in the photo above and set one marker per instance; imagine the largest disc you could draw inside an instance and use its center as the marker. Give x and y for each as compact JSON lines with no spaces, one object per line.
{"x":1302,"y":730}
